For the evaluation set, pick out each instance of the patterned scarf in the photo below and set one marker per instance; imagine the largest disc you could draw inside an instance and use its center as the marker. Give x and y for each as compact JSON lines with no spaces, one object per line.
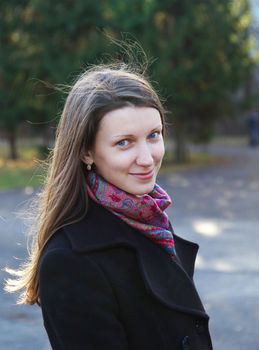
{"x":144,"y":213}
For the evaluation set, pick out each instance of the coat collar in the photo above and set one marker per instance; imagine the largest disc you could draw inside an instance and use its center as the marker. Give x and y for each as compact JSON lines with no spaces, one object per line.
{"x":169,"y":281}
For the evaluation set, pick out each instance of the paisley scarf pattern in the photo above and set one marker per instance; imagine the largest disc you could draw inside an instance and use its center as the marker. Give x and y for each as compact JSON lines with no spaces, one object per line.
{"x":144,"y":213}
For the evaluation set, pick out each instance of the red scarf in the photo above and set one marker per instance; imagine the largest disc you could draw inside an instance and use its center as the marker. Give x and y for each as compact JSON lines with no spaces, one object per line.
{"x":144,"y":213}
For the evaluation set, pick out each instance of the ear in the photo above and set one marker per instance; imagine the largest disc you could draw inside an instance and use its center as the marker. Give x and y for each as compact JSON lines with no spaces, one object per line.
{"x":87,"y":158}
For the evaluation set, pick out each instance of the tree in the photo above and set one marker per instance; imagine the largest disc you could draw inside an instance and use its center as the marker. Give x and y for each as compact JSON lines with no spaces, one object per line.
{"x":204,"y":56}
{"x":14,"y":70}
{"x":42,"y":43}
{"x":65,"y":38}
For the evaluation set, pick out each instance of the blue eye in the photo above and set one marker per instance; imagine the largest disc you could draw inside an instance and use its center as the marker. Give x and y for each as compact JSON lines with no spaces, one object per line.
{"x":154,"y":135}
{"x":123,"y":143}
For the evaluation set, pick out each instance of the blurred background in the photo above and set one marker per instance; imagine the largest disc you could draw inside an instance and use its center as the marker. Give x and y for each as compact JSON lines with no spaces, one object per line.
{"x":203,"y":58}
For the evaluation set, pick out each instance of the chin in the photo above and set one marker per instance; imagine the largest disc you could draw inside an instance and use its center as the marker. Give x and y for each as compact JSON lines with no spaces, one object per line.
{"x":144,"y":189}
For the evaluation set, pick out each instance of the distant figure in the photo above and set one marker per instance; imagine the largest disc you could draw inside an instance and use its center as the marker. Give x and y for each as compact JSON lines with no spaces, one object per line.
{"x":253,"y":120}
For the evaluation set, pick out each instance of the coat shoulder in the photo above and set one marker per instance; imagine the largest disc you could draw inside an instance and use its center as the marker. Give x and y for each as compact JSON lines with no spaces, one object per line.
{"x":77,"y":300}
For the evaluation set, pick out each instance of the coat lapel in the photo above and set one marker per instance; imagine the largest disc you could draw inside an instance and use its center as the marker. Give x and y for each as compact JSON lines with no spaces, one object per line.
{"x":169,"y":281}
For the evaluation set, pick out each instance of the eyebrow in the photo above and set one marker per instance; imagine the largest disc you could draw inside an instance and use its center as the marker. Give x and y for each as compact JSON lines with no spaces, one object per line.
{"x":131,"y":135}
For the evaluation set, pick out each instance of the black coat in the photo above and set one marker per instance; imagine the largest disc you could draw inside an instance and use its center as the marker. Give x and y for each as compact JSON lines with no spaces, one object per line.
{"x":105,"y":286}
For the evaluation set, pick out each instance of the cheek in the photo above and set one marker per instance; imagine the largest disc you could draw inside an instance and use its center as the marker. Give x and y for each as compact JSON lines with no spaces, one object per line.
{"x":123,"y":159}
{"x":116,"y":160}
{"x":159,"y":151}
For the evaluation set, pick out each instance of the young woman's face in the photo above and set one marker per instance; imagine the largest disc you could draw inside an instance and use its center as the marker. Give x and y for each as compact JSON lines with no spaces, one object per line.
{"x":129,"y":149}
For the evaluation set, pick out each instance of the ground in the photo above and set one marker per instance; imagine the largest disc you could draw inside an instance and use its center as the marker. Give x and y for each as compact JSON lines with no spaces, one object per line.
{"x":217,"y":207}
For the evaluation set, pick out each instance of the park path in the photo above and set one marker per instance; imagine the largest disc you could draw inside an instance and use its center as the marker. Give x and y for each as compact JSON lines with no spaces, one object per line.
{"x":217,"y":207}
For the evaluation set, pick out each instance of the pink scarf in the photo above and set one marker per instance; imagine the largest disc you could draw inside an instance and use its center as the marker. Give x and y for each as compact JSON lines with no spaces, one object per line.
{"x":144,"y":213}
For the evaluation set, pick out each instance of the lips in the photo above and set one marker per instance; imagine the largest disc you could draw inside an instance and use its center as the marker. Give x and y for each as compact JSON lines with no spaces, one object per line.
{"x":144,"y":176}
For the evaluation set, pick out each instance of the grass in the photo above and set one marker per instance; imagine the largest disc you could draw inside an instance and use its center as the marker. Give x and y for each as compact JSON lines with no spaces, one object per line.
{"x":231,"y":141}
{"x":195,"y":161}
{"x":20,"y":174}
{"x":23,"y":172}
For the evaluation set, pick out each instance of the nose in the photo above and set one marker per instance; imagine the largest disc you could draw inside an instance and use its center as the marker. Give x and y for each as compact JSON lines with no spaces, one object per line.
{"x":144,"y":156}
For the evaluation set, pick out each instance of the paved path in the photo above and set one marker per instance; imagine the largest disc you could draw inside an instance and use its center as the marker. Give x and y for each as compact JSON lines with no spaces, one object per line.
{"x":20,"y":326}
{"x":217,"y":207}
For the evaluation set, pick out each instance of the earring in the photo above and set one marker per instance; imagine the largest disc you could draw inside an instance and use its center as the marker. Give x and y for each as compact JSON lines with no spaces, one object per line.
{"x":88,"y":167}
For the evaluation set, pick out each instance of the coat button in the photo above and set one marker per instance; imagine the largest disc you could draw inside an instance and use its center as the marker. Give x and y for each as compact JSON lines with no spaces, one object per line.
{"x":199,"y":327}
{"x":186,"y":343}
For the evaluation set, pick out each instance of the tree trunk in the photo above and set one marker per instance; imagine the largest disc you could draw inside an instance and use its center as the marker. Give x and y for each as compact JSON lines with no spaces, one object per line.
{"x":11,"y":137}
{"x":181,"y":152}
{"x":248,"y":89}
{"x":48,"y":137}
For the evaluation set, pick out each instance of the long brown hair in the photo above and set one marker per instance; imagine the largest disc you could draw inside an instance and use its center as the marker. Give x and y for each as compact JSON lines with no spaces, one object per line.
{"x":63,"y":199}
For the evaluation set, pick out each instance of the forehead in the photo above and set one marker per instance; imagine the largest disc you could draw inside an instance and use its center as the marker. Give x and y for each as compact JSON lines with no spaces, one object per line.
{"x":130,"y":120}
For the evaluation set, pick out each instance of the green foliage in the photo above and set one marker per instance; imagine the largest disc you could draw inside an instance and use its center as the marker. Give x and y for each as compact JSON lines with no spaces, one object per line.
{"x":204,"y":56}
{"x":13,"y":65}
{"x":201,"y":51}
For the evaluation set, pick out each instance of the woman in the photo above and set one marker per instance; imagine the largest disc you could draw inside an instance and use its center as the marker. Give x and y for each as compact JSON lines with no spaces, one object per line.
{"x":107,"y":269}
